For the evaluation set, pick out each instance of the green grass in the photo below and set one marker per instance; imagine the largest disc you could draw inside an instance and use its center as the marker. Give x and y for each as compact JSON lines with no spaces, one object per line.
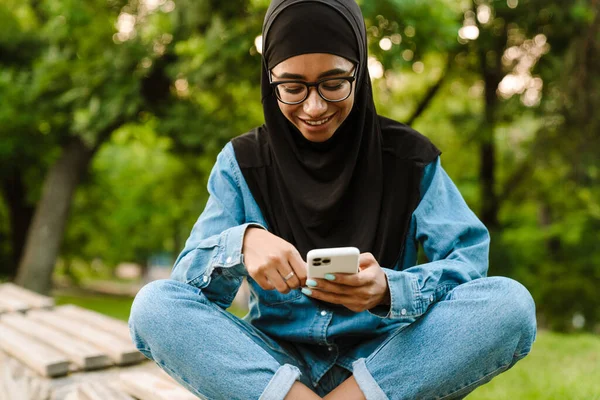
{"x":117,"y":307}
{"x":559,"y":367}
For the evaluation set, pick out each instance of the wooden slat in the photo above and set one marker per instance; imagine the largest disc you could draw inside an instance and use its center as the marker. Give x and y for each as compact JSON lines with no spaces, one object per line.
{"x":162,"y":374}
{"x":21,"y":383}
{"x":39,"y":357}
{"x":39,"y":390}
{"x":119,"y":350}
{"x":10,"y":304}
{"x":33,"y":299}
{"x":3,"y":391}
{"x":99,"y":391}
{"x":73,"y":395}
{"x":97,"y":320}
{"x":81,"y":353}
{"x":6,"y":379}
{"x":147,"y":386}
{"x":12,"y":386}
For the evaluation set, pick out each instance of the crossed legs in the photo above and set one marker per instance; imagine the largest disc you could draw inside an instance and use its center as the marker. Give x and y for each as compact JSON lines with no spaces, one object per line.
{"x":478,"y":330}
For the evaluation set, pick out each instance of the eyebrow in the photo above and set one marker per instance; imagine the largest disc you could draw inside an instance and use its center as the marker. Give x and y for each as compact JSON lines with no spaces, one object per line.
{"x":331,"y":72}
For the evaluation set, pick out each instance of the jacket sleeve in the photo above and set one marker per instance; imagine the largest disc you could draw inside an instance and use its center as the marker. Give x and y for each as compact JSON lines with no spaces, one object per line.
{"x":212,"y":258}
{"x":455,"y":242}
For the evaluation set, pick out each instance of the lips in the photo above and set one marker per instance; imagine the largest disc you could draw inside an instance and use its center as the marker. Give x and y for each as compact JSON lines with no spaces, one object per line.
{"x":317,"y":123}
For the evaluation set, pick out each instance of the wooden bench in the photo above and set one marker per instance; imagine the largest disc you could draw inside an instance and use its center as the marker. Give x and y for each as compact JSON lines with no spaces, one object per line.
{"x":70,"y":353}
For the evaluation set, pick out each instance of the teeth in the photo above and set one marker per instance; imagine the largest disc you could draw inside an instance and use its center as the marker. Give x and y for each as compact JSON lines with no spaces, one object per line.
{"x":317,"y":123}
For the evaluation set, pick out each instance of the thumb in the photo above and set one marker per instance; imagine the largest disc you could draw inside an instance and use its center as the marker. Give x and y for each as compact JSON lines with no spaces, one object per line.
{"x":366,"y":260}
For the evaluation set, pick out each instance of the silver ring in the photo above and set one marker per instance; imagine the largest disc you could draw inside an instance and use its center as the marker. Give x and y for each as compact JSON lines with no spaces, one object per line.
{"x":288,"y":276}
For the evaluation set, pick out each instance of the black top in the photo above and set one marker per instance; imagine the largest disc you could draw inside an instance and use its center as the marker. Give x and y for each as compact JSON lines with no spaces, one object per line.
{"x":405,"y":153}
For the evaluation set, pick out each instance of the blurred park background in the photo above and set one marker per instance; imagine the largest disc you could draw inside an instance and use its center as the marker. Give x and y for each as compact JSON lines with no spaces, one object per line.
{"x":112,"y":113}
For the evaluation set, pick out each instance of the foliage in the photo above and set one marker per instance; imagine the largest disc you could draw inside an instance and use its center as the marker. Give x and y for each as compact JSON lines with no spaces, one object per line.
{"x":139,"y":200}
{"x":145,"y":197}
{"x":552,"y":218}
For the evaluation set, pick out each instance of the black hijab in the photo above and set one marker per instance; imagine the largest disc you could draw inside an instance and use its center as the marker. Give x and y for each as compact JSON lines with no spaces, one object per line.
{"x":333,"y":193}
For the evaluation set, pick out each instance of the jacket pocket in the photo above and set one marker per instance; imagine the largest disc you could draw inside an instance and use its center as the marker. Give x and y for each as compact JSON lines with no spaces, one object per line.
{"x":273,"y":297}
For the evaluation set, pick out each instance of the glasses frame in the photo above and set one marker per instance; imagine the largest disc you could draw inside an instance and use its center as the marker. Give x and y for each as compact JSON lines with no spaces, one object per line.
{"x":315,"y":84}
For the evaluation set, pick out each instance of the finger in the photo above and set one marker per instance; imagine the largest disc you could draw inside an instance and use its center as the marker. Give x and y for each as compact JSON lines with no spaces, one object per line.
{"x":331,"y":287}
{"x":263,"y":282}
{"x":366,"y":260}
{"x":276,"y":280}
{"x":357,"y":279}
{"x":298,"y":265}
{"x":293,"y":282}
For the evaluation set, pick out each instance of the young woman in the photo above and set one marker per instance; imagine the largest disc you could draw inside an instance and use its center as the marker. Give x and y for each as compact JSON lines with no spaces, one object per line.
{"x":326,"y":171}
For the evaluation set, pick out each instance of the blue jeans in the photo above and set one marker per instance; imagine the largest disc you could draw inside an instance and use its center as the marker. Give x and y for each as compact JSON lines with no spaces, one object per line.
{"x":477,"y":331}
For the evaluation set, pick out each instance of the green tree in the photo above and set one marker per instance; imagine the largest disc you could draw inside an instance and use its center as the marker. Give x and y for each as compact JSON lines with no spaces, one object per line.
{"x":559,"y":181}
{"x":97,"y":66}
{"x":81,"y":95}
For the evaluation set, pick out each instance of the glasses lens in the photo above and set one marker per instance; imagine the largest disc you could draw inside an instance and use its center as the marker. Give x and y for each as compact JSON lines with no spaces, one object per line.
{"x":335,"y":89}
{"x":291,"y":92}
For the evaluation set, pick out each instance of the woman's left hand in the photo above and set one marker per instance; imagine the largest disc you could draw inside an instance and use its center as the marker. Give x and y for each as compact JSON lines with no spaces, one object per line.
{"x":357,"y":292}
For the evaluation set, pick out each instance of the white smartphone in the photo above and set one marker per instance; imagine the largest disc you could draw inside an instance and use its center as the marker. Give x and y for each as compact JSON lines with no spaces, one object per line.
{"x":331,"y":261}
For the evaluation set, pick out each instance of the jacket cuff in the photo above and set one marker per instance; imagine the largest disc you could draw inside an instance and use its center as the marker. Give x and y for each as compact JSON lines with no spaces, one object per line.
{"x":229,"y":255}
{"x":406,"y":299}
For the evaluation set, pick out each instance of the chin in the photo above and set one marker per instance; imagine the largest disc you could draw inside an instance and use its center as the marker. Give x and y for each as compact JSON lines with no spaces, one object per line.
{"x":317,"y":137}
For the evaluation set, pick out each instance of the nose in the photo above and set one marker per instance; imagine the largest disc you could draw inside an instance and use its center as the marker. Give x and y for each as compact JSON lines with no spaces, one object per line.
{"x":314,"y":106}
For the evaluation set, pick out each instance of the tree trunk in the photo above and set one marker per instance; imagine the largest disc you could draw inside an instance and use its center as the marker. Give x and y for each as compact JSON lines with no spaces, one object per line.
{"x":20,"y":216}
{"x":492,"y":75}
{"x":487,"y":176}
{"x":431,"y":93}
{"x":46,"y":232}
{"x":487,"y":153}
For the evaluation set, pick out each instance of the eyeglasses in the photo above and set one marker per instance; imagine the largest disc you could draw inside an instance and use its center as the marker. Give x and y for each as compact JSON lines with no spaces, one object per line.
{"x":330,"y":89}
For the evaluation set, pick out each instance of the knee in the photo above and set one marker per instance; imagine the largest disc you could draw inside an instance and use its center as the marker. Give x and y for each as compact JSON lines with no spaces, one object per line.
{"x":152,"y":307}
{"x":143,"y":308}
{"x":515,"y":307}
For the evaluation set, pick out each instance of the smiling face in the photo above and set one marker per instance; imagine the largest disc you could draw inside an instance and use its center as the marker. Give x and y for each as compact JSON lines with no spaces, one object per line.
{"x":316,"y":118}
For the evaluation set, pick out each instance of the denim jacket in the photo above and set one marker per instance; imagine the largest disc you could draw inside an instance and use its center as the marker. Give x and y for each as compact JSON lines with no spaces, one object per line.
{"x":455,"y":242}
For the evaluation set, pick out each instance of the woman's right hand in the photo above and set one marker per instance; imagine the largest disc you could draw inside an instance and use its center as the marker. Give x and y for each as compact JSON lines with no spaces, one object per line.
{"x":269,"y":258}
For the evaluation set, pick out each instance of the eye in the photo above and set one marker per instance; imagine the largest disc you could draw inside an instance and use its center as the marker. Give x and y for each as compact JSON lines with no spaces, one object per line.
{"x":292,"y":88}
{"x":334,"y":85}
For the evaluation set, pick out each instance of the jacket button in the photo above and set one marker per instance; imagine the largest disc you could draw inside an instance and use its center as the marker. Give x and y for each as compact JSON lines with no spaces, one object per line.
{"x":323,"y":313}
{"x":403,"y":312}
